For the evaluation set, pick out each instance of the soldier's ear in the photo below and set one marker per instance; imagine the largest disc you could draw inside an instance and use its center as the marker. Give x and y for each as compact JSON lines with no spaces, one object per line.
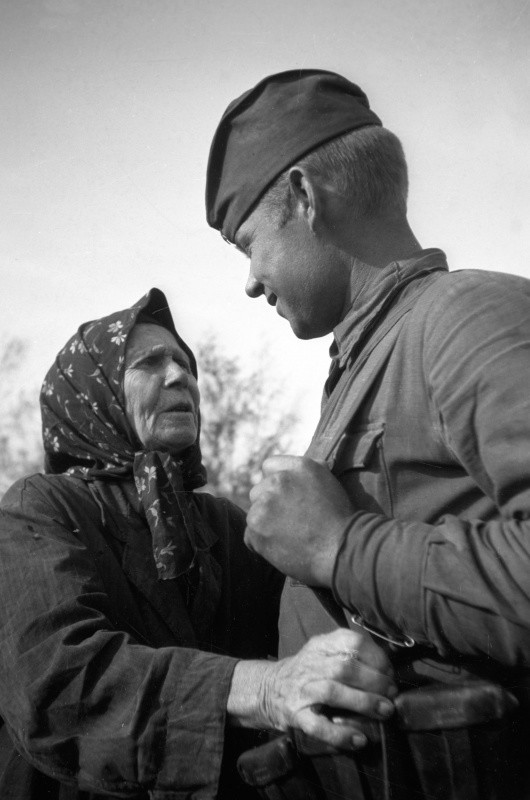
{"x":305,"y":195}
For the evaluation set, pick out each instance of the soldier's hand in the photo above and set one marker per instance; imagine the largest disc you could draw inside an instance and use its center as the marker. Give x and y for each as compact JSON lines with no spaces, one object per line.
{"x":297,"y":519}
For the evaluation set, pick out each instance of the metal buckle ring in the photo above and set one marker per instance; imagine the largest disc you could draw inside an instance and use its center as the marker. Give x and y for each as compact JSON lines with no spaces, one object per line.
{"x":405,"y":641}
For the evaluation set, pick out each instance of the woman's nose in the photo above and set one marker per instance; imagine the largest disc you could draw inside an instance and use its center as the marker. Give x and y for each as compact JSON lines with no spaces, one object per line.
{"x":175,"y":374}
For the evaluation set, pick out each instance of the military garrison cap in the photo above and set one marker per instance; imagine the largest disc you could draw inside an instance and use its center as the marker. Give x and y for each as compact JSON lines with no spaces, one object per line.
{"x":270,"y":127}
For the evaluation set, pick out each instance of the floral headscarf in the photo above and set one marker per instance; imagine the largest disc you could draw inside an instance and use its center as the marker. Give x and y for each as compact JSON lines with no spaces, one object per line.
{"x":86,"y":432}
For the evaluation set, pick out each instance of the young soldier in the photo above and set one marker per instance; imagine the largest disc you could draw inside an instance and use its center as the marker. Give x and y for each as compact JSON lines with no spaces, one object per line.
{"x":418,"y":522}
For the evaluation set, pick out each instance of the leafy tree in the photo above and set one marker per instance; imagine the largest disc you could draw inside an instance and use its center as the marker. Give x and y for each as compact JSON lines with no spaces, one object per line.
{"x":20,"y":444}
{"x":242,"y":421}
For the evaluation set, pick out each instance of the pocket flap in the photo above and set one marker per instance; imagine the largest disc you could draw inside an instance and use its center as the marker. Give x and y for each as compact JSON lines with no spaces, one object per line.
{"x":355,"y":448}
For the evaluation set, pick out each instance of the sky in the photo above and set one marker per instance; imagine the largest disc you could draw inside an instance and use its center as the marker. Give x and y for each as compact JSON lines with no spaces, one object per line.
{"x":108,"y":110}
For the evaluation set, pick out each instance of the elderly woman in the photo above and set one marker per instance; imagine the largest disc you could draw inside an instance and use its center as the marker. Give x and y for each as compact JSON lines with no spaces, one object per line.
{"x":128,"y":601}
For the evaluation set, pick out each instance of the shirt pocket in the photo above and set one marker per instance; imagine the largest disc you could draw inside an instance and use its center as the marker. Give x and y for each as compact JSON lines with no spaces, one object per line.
{"x":359,"y":464}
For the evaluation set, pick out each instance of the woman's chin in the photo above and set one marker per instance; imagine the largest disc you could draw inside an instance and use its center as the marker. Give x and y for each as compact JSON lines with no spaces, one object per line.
{"x":174,"y":442}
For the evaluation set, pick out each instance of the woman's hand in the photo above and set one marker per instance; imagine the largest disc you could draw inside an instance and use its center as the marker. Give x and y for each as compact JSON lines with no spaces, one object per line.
{"x":331,"y":689}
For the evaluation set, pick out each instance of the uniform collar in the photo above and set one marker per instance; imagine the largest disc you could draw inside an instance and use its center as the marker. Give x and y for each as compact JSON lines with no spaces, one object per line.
{"x":378,"y":289}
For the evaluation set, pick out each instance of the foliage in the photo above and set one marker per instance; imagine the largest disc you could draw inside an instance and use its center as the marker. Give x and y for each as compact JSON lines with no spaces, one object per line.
{"x":20,"y":445}
{"x":242,"y":421}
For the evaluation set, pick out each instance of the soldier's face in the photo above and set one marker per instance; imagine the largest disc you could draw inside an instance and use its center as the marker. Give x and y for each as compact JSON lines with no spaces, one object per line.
{"x":299,"y":273}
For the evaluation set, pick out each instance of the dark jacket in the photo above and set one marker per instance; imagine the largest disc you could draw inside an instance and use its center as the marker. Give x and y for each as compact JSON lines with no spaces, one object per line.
{"x":105,"y":685}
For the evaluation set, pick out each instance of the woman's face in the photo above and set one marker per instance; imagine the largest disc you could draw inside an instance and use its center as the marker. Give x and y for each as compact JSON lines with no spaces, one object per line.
{"x":161,"y":393}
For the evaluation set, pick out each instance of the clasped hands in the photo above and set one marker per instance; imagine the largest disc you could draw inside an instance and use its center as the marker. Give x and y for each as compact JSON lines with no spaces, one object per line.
{"x":297,"y":519}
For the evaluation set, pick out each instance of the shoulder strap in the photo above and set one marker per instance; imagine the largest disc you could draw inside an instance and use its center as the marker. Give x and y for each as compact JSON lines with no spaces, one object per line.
{"x":333,"y":422}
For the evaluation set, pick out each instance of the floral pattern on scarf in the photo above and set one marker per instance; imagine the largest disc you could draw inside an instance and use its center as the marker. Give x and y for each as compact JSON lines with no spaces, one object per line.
{"x":86,"y":433}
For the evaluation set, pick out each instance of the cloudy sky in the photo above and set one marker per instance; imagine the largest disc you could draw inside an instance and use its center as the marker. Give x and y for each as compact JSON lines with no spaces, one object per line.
{"x":108,"y":108}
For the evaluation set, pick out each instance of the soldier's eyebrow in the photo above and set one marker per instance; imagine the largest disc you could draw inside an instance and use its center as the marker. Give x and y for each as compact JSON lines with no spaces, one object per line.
{"x":242,"y":243}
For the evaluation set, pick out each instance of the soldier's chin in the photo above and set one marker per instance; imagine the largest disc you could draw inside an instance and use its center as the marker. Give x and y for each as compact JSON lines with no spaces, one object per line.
{"x":301,"y":328}
{"x":302,"y":331}
{"x":306,"y":330}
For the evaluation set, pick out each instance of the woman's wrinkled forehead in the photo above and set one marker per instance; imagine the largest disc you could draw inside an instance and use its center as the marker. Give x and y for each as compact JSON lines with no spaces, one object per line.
{"x":146,"y":338}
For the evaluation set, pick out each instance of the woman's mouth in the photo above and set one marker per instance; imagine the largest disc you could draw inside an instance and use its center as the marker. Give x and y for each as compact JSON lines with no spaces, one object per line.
{"x":181,"y":406}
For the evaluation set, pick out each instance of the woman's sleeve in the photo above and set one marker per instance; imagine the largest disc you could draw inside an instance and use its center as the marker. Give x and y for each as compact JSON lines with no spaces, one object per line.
{"x":462,"y":585}
{"x":84,"y":702}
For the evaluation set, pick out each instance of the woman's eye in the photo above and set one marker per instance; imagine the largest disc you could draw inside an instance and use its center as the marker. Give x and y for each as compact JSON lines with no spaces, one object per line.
{"x":150,"y":361}
{"x":182,"y":364}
